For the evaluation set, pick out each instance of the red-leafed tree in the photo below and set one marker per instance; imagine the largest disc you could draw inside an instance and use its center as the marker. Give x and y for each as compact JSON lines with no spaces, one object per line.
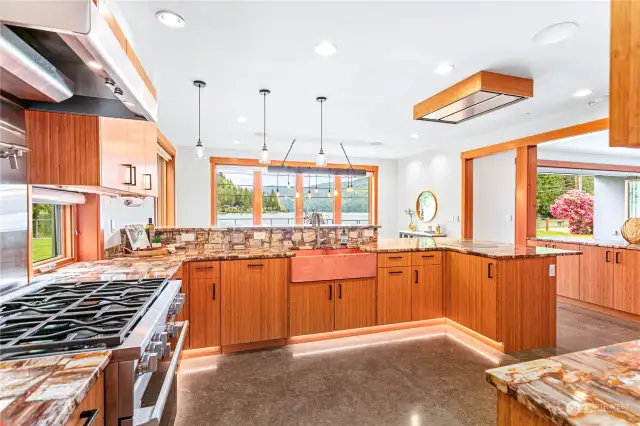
{"x":577,"y":207}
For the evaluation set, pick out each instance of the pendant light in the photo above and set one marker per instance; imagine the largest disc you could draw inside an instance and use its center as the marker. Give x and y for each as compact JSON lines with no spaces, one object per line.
{"x":309,"y":193}
{"x":288,"y":182}
{"x":321,"y":161}
{"x":278,"y":186}
{"x":199,"y":151}
{"x":316,"y":190}
{"x":264,"y":154}
{"x":329,"y":193}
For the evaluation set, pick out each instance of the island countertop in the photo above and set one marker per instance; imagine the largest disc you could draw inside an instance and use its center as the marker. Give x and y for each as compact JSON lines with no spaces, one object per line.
{"x":596,"y":242}
{"x":46,"y":390}
{"x":598,"y":386}
{"x":478,"y":248}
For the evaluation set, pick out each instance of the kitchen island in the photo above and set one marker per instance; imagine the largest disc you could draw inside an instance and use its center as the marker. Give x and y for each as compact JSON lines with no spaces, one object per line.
{"x":593,"y":387}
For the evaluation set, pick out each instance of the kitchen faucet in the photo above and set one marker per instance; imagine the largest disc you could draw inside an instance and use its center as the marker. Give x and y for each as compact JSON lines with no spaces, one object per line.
{"x":317,"y":220}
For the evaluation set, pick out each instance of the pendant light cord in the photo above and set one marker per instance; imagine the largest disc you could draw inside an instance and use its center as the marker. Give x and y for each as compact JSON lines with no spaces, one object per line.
{"x":264,"y":121}
{"x":321,"y":102}
{"x":199,"y":111}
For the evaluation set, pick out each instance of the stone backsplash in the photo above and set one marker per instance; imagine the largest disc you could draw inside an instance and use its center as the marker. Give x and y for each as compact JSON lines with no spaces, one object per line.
{"x":205,"y":239}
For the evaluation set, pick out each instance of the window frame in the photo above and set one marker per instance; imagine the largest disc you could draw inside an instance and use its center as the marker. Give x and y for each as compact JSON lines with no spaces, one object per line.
{"x":68,"y":242}
{"x":299,"y":216}
{"x":626,"y":196}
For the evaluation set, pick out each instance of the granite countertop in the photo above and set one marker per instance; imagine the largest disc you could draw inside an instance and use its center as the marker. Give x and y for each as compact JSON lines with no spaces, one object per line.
{"x":478,"y":248}
{"x":596,"y":242}
{"x":46,"y":390}
{"x":598,"y":386}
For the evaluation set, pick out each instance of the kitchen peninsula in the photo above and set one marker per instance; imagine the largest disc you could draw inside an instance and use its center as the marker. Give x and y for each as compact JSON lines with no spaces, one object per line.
{"x":502,"y":295}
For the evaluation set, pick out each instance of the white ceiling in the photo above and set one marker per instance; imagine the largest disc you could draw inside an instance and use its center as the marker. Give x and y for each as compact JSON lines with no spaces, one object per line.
{"x":591,"y":143}
{"x":386,"y":54}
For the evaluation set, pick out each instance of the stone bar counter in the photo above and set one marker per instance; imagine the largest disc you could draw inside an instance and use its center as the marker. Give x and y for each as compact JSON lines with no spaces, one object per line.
{"x":594,"y":387}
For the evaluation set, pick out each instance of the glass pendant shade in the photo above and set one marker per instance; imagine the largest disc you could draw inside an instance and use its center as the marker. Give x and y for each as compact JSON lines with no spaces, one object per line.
{"x":321,"y":161}
{"x":199,"y":151}
{"x":264,"y":155}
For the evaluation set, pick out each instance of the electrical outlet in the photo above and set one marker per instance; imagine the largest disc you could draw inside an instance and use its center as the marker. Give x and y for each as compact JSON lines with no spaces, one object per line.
{"x":112,"y":226}
{"x":259,"y":235}
{"x":552,"y":270}
{"x":188,"y":237}
{"x":613,"y":231}
{"x":368,"y":232}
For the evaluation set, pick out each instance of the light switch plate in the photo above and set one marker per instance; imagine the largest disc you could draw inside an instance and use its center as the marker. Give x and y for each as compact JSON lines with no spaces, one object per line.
{"x":552,"y":270}
{"x":112,"y":226}
{"x":259,"y":235}
{"x":188,"y":237}
{"x":368,"y":232}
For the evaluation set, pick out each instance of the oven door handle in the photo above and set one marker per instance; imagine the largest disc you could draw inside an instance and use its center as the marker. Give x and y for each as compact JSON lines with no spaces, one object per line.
{"x":150,"y":416}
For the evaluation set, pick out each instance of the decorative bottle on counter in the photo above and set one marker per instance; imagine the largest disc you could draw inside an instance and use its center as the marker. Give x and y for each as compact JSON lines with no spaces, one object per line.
{"x":343,"y":238}
{"x":150,"y":229}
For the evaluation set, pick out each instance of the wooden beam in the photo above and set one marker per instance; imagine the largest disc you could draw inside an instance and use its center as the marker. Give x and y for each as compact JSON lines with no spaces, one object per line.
{"x":226,"y":161}
{"x":165,"y":144}
{"x":170,"y":201}
{"x":624,"y":77}
{"x":565,"y":132}
{"x":467,"y":199}
{"x":257,"y":197}
{"x":526,"y":174}
{"x":90,"y":241}
{"x":214,"y":194}
{"x":298,"y":200}
{"x":588,"y":166}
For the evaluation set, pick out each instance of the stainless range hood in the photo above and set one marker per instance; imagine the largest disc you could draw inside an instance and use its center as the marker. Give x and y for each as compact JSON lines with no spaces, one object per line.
{"x":64,"y":56}
{"x":479,"y":94}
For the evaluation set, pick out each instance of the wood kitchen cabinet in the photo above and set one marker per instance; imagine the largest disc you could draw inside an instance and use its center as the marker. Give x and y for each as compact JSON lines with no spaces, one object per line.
{"x":568,"y":271}
{"x":254,"y":300}
{"x":204,"y":304}
{"x":103,"y":152}
{"x":457,"y":283}
{"x":483,"y":296}
{"x":325,"y":306}
{"x":427,"y":288}
{"x":355,"y":303}
{"x":394,"y":294}
{"x":311,"y":307}
{"x":626,"y":287}
{"x":596,"y":275}
{"x":94,"y":400}
{"x":182,"y":274}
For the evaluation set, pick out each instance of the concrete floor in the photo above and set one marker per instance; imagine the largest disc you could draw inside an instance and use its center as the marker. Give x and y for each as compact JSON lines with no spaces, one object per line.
{"x":410,"y":381}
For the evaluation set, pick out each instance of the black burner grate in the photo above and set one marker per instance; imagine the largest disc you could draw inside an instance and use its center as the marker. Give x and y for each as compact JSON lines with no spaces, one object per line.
{"x":72,"y":316}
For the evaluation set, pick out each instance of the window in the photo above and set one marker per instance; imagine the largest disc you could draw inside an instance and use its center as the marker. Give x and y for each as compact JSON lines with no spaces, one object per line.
{"x":245,"y":193}
{"x":234,"y":194}
{"x":318,"y":194}
{"x":355,"y":200}
{"x":46,"y":232}
{"x":633,"y":198}
{"x":278,"y":199}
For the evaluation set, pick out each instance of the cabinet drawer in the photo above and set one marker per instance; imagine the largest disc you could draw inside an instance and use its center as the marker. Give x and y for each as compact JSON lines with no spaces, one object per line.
{"x":389,"y":260}
{"x":426,"y":258}
{"x":209,"y":269}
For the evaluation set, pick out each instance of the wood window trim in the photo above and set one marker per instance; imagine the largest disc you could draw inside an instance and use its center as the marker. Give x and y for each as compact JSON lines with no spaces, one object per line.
{"x":588,"y":166}
{"x":68,"y":244}
{"x":299,"y":220}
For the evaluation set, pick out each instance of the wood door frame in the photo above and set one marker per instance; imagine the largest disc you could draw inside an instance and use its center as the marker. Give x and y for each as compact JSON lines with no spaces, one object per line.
{"x":526,"y":158}
{"x":226,"y":161}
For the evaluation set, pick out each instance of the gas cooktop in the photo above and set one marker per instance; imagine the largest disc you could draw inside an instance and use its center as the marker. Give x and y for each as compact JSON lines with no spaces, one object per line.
{"x":64,"y":317}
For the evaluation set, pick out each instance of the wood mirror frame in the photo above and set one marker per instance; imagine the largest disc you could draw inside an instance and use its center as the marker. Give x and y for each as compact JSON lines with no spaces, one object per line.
{"x":418,"y":210}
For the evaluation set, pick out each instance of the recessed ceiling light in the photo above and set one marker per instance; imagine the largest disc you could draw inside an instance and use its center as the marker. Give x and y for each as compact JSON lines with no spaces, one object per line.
{"x":95,"y":65}
{"x":443,"y":68}
{"x":236,"y":142}
{"x":326,"y":48}
{"x":414,"y":136}
{"x":376,"y":143}
{"x":556,"y":33}
{"x":241,"y":119}
{"x":129,"y":103}
{"x":582,"y":93}
{"x":170,"y":19}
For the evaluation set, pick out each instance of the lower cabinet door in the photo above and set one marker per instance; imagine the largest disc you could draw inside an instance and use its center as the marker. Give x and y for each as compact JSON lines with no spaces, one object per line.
{"x":626,"y":288}
{"x":568,"y":272}
{"x":596,"y":275}
{"x":394,"y":295}
{"x":311,"y":307}
{"x":426,"y":292}
{"x":204,"y":313}
{"x":355,"y":303}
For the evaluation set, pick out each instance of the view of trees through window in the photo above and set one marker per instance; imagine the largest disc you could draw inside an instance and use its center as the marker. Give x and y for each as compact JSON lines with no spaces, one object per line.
{"x":633,"y":198}
{"x":564,"y":205}
{"x":45,"y":225}
{"x":355,"y":202}
{"x":278,"y":199}
{"x":318,"y":194}
{"x":234,"y":196}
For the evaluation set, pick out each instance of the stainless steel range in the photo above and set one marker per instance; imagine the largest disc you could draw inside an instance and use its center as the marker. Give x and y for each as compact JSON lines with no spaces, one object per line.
{"x":132,"y":318}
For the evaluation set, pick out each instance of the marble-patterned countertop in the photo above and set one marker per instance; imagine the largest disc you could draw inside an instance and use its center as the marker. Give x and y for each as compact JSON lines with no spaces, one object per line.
{"x":478,"y":248}
{"x":596,"y":242}
{"x":45,"y":391}
{"x":598,"y":386}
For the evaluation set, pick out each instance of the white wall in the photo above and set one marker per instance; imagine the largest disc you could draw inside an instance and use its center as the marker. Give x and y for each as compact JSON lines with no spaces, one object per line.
{"x":586,"y":158}
{"x":434,"y":171}
{"x":494,"y":197}
{"x":609,"y":207}
{"x":193,"y":187}
{"x":114,"y":209}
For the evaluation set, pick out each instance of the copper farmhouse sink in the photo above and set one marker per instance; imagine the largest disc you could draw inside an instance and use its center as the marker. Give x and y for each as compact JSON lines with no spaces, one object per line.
{"x":332,"y":264}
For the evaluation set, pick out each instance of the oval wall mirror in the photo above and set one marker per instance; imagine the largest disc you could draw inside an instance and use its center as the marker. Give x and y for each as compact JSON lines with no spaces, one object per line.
{"x":426,"y":206}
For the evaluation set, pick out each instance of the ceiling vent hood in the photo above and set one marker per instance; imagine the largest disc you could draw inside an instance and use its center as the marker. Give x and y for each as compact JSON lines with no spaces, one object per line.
{"x":70,"y":56}
{"x":479,"y":94}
